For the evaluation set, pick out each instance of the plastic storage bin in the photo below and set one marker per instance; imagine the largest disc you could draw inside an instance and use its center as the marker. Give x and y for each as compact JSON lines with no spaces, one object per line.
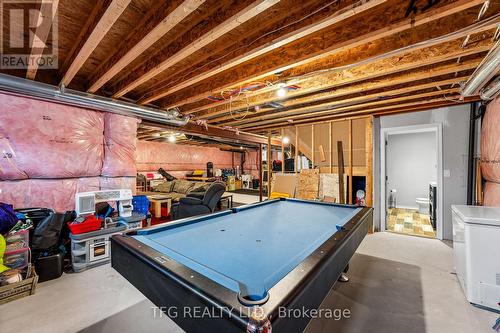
{"x":17,"y":241}
{"x":90,"y":224}
{"x":141,"y":204}
{"x":17,"y":258}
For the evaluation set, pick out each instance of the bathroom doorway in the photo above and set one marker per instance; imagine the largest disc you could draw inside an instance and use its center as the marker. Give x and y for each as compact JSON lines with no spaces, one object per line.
{"x":411,"y":167}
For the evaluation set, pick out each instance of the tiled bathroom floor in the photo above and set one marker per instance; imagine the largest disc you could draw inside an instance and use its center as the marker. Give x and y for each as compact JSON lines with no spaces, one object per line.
{"x":410,"y":222}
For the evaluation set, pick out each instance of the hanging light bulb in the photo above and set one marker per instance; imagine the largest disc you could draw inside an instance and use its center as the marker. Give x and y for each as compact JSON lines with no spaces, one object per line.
{"x":286,"y":140}
{"x":172,"y":138}
{"x":281,"y":92}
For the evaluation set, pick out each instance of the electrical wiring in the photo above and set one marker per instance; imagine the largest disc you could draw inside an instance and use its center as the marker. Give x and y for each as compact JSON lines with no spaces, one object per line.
{"x":436,"y":40}
{"x":451,"y":99}
{"x":259,"y":38}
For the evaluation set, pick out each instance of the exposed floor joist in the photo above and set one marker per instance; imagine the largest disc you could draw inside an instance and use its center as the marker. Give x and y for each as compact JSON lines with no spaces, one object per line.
{"x":249,"y":12}
{"x":304,"y":52}
{"x":434,"y":51}
{"x":263,"y":49}
{"x":131,"y":53}
{"x":386,"y":95}
{"x":331,"y":109}
{"x":95,"y":35}
{"x":420,"y":105}
{"x":44,"y":23}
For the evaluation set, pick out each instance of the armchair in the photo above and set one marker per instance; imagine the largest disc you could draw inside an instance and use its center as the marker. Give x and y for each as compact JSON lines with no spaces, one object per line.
{"x":199,"y":203}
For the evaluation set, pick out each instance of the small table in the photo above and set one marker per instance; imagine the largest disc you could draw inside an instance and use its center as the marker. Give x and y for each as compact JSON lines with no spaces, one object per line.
{"x":157,"y":201}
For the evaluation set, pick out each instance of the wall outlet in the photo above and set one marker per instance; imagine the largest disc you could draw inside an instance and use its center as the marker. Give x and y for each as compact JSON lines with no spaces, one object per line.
{"x":446,"y":173}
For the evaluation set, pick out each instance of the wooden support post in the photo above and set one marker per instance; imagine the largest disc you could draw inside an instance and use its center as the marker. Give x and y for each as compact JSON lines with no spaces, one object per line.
{"x":340,"y":152}
{"x":312,"y":146}
{"x":269,"y":164}
{"x":296,"y":149}
{"x":369,"y":165}
{"x":479,"y":183}
{"x":259,"y":159}
{"x":282,"y":151}
{"x":369,"y":161}
{"x":349,"y":186}
{"x":330,"y":130}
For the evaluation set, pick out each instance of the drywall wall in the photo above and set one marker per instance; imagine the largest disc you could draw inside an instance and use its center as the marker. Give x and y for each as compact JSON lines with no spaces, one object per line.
{"x":411,"y":163}
{"x":455,"y":122}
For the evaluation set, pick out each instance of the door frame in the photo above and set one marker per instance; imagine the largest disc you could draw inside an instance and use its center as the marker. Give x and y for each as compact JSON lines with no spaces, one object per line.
{"x":384,"y":133}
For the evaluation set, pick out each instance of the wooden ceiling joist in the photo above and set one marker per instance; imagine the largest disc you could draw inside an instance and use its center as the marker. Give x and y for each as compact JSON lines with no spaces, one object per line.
{"x":47,"y":13}
{"x":249,"y":12}
{"x":385,"y":95}
{"x":337,"y":17}
{"x":431,"y":52}
{"x":400,"y":108}
{"x":335,"y":110}
{"x":394,"y":65}
{"x":304,"y":52}
{"x":311,"y":90}
{"x":170,"y":21}
{"x":104,"y":23}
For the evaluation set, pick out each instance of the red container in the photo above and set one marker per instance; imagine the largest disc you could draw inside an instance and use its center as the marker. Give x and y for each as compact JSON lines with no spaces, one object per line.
{"x":91,"y":223}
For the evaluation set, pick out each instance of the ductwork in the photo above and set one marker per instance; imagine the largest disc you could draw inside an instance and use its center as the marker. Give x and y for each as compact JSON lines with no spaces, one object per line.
{"x":491,"y":91}
{"x":486,"y":70}
{"x":76,"y":98}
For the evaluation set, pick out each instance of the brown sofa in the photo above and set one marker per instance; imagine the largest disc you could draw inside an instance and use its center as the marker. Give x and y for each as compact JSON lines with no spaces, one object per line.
{"x":179,"y":188}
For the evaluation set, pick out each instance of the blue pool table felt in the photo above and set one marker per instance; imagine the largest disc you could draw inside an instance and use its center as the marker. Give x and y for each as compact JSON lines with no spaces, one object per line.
{"x":250,"y":250}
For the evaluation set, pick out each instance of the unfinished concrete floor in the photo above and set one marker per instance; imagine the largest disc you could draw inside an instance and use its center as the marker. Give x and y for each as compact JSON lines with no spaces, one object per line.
{"x":398,"y":284}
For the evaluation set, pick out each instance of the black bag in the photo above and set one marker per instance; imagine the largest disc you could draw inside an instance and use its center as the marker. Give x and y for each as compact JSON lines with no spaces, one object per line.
{"x":166,"y":175}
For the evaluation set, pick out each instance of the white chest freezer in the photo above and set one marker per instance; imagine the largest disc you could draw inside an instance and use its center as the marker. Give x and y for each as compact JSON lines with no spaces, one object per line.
{"x":476,"y":253}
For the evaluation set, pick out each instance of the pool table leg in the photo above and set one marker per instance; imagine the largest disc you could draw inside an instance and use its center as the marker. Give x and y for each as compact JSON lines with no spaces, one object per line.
{"x":343,"y":276}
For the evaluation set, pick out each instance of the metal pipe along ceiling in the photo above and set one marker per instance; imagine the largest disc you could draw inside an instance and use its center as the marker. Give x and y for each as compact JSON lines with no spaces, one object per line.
{"x":76,"y":98}
{"x":486,"y":70}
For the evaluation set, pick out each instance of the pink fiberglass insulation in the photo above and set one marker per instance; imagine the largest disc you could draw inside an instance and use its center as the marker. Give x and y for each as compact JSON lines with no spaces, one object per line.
{"x":114,"y":183}
{"x":490,"y":142}
{"x":120,"y":144}
{"x":58,"y":194}
{"x":49,"y":140}
{"x":251,"y":165}
{"x":491,"y":195}
{"x":174,"y":157}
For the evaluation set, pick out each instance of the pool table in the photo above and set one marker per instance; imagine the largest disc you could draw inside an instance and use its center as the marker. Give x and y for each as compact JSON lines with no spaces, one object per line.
{"x":242,"y":269}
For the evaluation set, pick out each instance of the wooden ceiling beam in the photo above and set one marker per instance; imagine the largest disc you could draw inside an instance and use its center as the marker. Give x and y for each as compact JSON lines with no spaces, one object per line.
{"x":387,"y":95}
{"x":325,"y":88}
{"x":335,"y":110}
{"x":432,"y":53}
{"x":401,"y":108}
{"x":47,"y":14}
{"x":213,"y":132}
{"x":125,"y":55}
{"x":380,"y":73}
{"x":335,"y":18}
{"x":254,"y":9}
{"x":308,"y":50}
{"x":95,"y":35}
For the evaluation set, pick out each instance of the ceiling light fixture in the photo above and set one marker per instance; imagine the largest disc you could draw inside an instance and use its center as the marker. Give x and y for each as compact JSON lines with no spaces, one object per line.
{"x":286,"y":140}
{"x":281,"y":92}
{"x":172,"y":139}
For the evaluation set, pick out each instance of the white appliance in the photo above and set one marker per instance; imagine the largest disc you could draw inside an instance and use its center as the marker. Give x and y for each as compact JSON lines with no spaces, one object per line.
{"x":85,"y":201}
{"x":476,"y":253}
